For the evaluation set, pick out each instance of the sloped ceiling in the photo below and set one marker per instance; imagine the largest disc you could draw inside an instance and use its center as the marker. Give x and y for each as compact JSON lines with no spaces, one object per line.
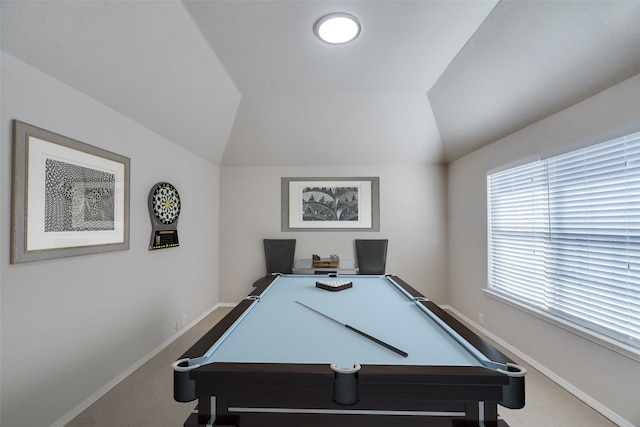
{"x":247,"y":83}
{"x":529,"y":60}
{"x":145,"y":59}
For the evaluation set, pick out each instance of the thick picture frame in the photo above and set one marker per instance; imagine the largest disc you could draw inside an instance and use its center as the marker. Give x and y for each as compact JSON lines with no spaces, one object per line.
{"x":69,"y":198}
{"x":330,"y":204}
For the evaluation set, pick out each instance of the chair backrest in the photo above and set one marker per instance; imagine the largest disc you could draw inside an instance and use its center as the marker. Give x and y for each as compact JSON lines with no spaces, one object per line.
{"x":371,"y":255}
{"x":279,"y":255}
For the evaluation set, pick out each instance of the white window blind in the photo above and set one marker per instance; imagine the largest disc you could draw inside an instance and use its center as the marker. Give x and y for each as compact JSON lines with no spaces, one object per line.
{"x":564,"y":237}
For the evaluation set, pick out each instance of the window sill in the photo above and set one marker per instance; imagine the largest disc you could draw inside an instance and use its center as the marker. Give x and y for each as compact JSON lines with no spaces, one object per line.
{"x":587,"y":334}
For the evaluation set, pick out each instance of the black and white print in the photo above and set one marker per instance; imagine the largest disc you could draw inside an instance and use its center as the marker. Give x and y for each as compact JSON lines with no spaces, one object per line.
{"x":330,"y":204}
{"x":78,"y":198}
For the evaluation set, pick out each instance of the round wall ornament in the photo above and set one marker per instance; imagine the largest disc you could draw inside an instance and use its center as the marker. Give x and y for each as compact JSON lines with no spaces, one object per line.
{"x":164,"y":210}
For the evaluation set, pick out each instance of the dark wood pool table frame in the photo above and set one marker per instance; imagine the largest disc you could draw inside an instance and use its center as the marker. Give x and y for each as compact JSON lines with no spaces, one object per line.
{"x":471,"y":393}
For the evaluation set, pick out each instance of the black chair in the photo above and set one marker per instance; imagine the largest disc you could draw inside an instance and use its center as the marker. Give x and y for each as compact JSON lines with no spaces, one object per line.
{"x":371,"y":255}
{"x":279,"y":255}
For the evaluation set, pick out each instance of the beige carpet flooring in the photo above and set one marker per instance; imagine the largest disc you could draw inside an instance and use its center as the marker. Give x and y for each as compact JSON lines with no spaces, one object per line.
{"x":145,"y":398}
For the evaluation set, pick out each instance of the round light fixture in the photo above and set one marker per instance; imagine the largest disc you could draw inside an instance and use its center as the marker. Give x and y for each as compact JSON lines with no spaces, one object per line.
{"x":337,"y":28}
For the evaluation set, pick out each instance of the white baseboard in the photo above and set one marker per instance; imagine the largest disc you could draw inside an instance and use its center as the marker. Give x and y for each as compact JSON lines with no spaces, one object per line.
{"x":111,"y":384}
{"x":227,"y":304}
{"x":597,"y":406}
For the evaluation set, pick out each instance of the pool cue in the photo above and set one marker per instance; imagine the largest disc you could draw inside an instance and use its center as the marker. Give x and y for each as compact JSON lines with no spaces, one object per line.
{"x":376,"y":340}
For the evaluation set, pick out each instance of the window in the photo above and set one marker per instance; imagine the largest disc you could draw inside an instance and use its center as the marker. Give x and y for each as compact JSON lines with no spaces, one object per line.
{"x":564,"y":237}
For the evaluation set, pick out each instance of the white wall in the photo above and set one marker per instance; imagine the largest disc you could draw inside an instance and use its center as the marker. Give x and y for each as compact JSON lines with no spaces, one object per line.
{"x":607,"y":378}
{"x":412,"y":217}
{"x":2,"y":235}
{"x":70,"y":326}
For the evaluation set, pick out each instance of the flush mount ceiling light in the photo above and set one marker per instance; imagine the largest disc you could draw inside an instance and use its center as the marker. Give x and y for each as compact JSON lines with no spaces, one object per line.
{"x":337,"y":28}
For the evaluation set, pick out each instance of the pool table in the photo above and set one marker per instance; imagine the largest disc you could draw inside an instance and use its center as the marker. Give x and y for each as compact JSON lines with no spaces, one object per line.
{"x":374,"y":353}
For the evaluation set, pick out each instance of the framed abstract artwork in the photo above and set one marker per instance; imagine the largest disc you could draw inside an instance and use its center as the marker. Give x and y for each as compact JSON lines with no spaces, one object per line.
{"x":330,"y":204}
{"x":69,"y":198}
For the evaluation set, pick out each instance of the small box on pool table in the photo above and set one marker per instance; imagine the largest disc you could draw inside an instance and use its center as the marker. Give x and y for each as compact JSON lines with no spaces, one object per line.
{"x":333,"y":285}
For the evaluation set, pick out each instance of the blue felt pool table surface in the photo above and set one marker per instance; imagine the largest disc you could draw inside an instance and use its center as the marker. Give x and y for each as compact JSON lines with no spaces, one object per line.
{"x":279,"y":330}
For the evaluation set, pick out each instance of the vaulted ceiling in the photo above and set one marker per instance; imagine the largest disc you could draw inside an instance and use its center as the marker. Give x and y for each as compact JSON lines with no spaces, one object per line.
{"x":247,"y":82}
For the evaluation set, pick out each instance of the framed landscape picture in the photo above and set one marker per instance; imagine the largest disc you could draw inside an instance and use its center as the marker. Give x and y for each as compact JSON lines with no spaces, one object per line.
{"x":330,"y":204}
{"x":69,"y":198}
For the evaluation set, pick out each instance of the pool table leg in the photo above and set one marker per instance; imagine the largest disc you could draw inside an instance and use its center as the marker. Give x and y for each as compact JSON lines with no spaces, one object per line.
{"x":205,"y":417}
{"x":202,"y":416}
{"x":204,"y":410}
{"x":222,"y":417}
{"x":490,"y":414}
{"x":472,"y":415}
